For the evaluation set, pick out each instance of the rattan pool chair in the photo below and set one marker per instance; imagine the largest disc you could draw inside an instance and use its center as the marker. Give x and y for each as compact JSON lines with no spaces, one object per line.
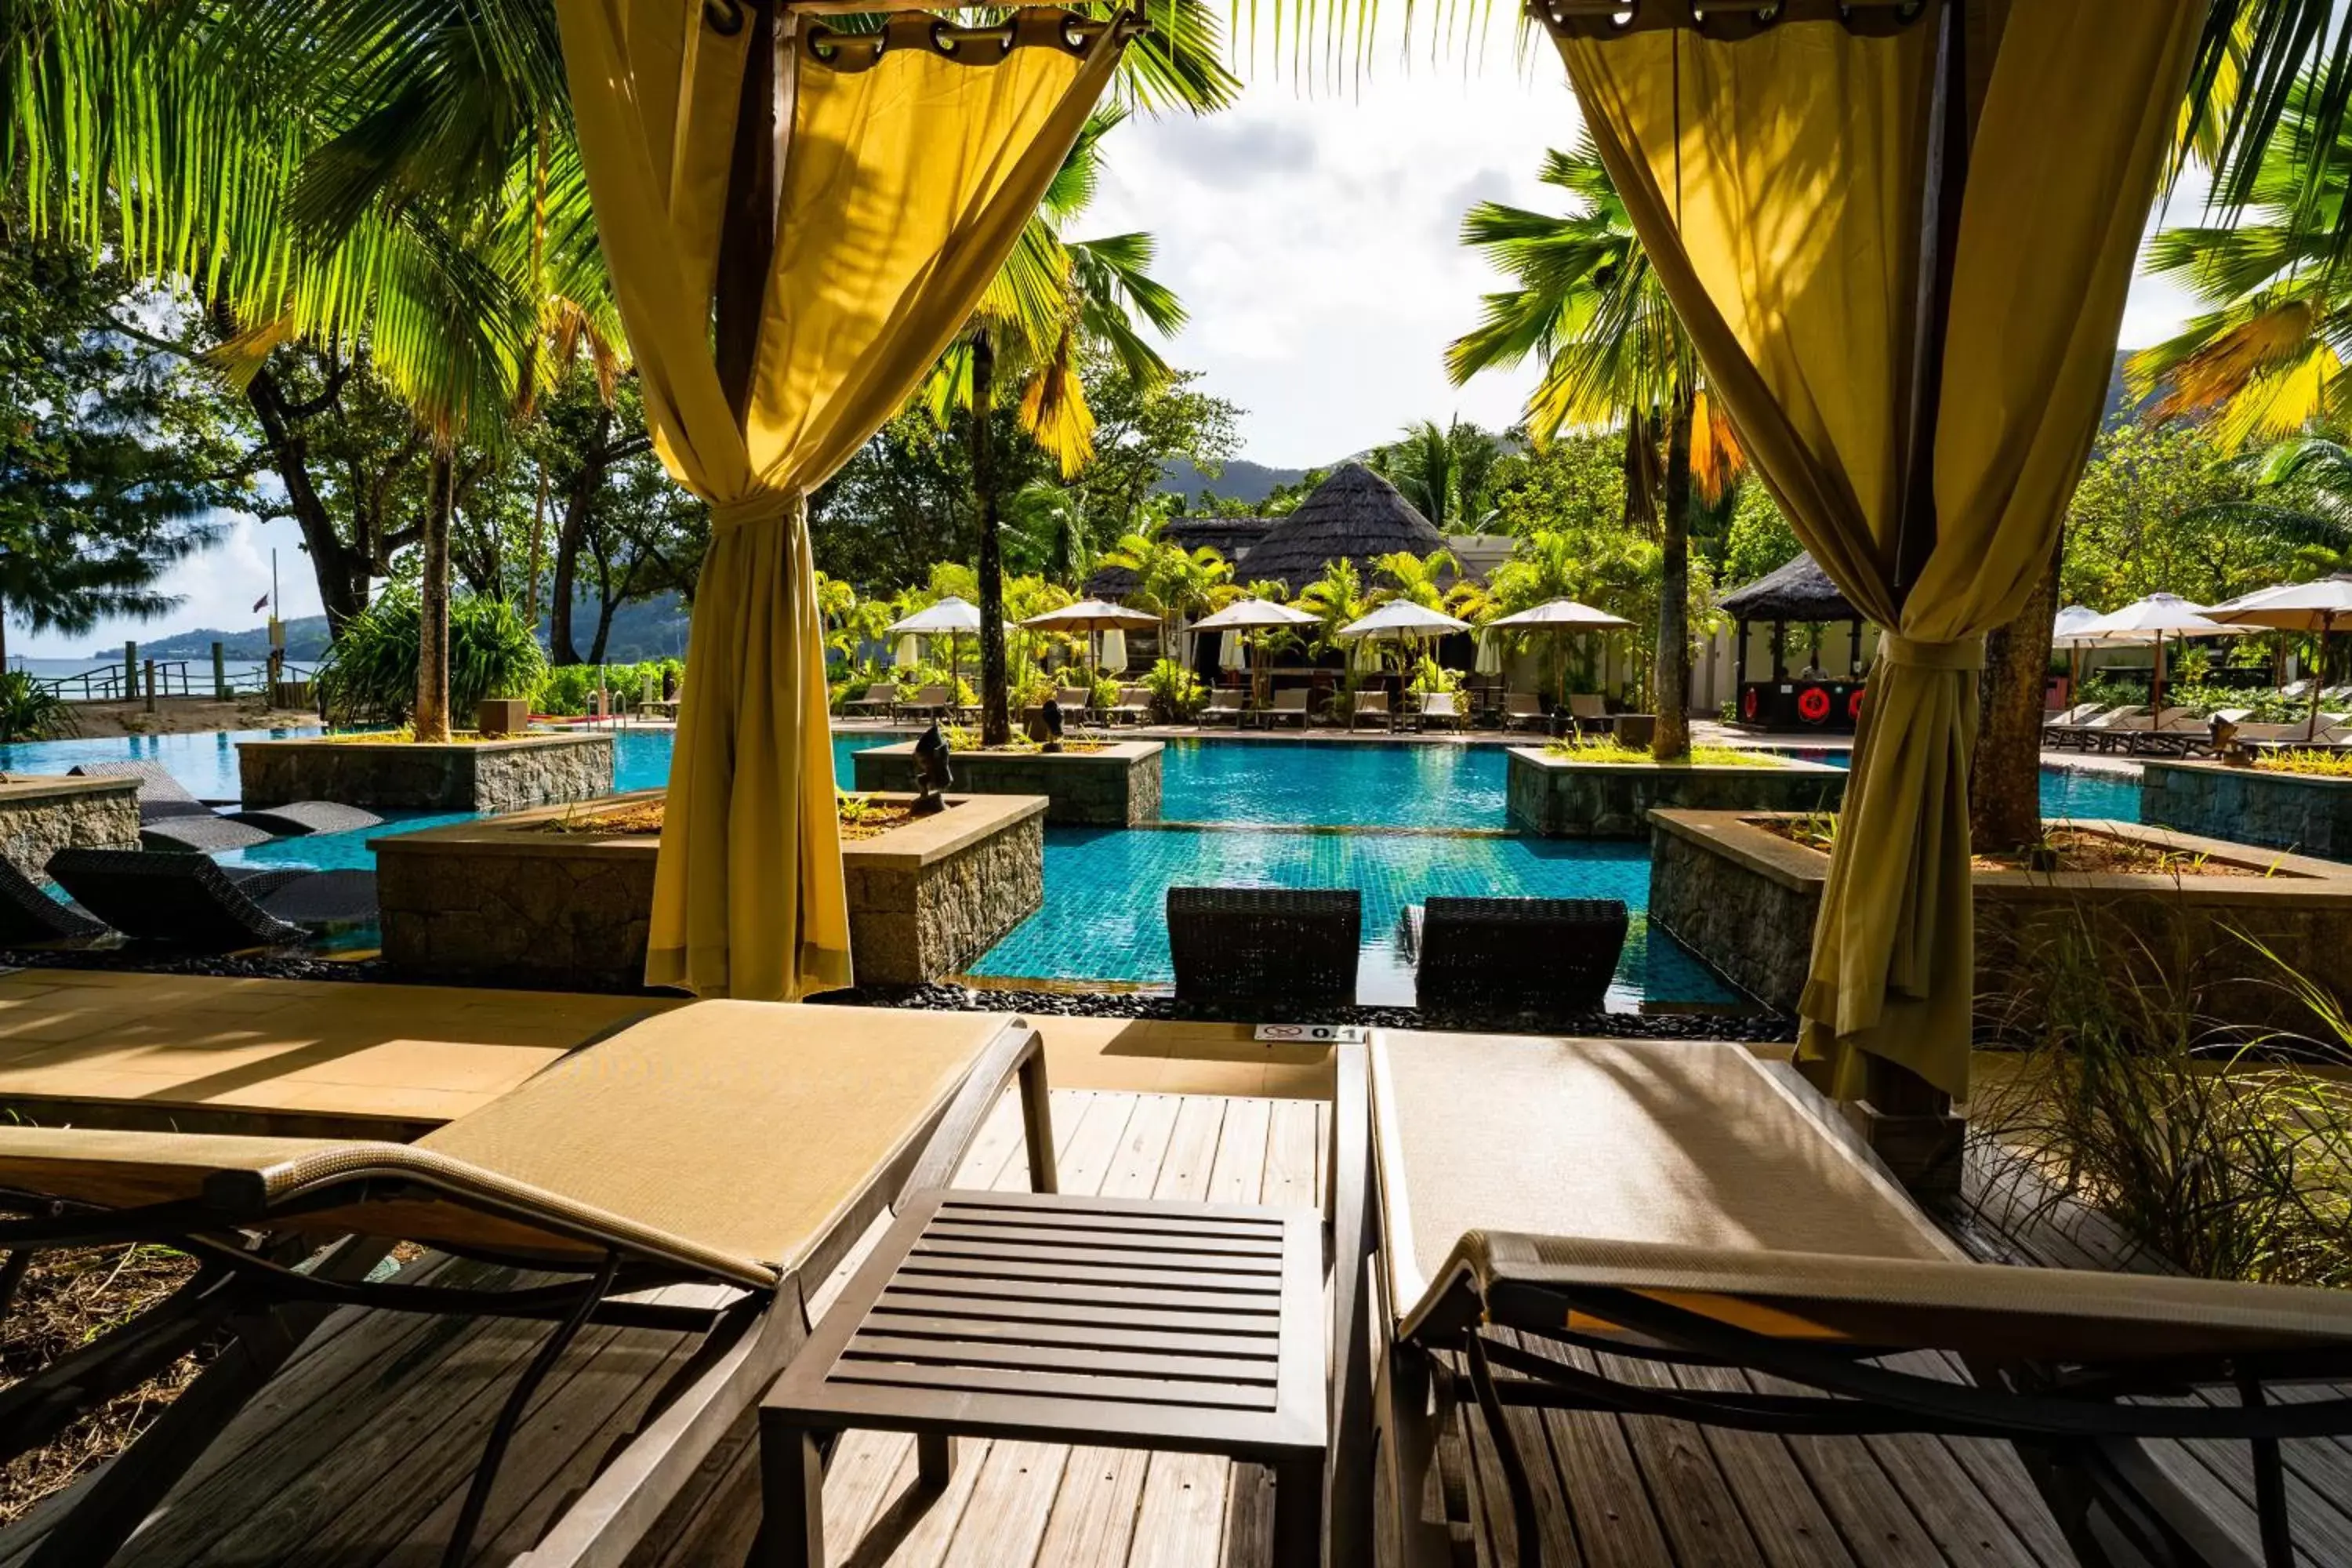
{"x":1513,"y":954}
{"x":1689,"y":1203}
{"x":1133,"y":707}
{"x":1523,"y":710}
{"x":161,"y":796}
{"x":302,"y":818}
{"x":177,"y":899}
{"x":740,"y":1147}
{"x":203,"y":834}
{"x":1291,"y":944}
{"x":1441,"y":708}
{"x":27,"y":914}
{"x":881,"y":697}
{"x":1370,"y":705}
{"x":1224,"y":702}
{"x":932,"y":703}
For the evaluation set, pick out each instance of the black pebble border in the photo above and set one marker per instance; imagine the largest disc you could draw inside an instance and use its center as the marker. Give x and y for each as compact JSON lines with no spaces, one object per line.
{"x":1757,"y":1025}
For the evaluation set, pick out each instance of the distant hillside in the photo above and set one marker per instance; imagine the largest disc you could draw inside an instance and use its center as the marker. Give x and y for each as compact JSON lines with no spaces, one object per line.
{"x":1249,"y":482}
{"x":652,"y":628}
{"x":2121,"y":406}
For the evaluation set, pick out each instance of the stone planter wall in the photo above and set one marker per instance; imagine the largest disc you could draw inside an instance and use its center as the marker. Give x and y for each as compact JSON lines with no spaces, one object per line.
{"x":465,"y":775}
{"x":502,"y":899}
{"x":1118,"y":786}
{"x":1558,"y":798}
{"x":1744,"y":899}
{"x":2302,"y":812}
{"x":39,"y":817}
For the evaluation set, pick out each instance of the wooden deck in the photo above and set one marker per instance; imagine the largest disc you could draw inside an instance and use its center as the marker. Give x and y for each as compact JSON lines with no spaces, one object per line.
{"x":357,"y":1454}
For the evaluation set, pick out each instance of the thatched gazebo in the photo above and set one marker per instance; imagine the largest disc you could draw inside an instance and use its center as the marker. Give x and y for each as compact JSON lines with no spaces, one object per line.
{"x":1354,"y":515}
{"x":1815,"y":699}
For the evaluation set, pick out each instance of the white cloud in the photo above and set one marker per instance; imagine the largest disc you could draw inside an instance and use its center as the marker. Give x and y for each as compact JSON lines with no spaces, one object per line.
{"x":218,"y":585}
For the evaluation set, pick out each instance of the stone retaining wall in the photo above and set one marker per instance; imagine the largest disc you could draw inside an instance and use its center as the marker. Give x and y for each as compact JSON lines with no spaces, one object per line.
{"x":1744,"y":899}
{"x":1559,"y":798}
{"x":2302,"y":812}
{"x":39,"y":817}
{"x":1118,"y":786}
{"x":466,"y":775}
{"x":501,"y":898}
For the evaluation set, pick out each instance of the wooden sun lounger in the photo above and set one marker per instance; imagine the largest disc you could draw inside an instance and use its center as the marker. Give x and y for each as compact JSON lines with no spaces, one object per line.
{"x":930,"y":702}
{"x":2091,"y":731}
{"x":743,"y":1146}
{"x":1522,"y":708}
{"x":881,"y":699}
{"x":1688,"y":1203}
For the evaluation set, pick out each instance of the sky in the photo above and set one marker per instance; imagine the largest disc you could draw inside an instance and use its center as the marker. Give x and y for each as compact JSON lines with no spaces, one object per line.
{"x":1310,"y":231}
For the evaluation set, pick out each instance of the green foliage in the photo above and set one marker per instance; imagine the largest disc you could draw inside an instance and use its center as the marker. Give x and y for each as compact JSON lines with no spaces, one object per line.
{"x":1615,"y":754}
{"x":1429,"y":676}
{"x":570,"y":689}
{"x":1446,"y":471}
{"x":2214,"y":1147}
{"x":2151,"y":515}
{"x":2316,"y":764}
{"x":31,"y":712}
{"x":370,"y":674}
{"x":1759,"y":540}
{"x":1177,"y":693}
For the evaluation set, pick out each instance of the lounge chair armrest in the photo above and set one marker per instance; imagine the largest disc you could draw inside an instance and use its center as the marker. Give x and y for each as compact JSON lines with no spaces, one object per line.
{"x":1018,"y":1051}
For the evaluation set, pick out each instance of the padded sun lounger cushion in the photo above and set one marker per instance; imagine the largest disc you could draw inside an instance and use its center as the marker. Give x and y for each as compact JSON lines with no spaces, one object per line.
{"x":1680,"y":1143}
{"x":745,"y":1125}
{"x":726,"y":1135}
{"x":299,"y":818}
{"x":200,"y":834}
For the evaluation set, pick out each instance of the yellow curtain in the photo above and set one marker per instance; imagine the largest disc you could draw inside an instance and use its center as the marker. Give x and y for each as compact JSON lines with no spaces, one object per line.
{"x":1777,"y":184}
{"x":904,"y":188}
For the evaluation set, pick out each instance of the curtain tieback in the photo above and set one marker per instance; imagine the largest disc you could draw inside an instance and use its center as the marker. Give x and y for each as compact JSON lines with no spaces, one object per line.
{"x":1963,"y":658}
{"x":760,"y":506}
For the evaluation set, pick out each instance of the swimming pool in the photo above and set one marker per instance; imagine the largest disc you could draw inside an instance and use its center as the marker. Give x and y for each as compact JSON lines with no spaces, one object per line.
{"x":1400,"y":823}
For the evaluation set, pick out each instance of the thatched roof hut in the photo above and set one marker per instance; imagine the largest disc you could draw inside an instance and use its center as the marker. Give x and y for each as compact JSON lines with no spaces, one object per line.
{"x":1355,"y":514}
{"x":1800,"y":591}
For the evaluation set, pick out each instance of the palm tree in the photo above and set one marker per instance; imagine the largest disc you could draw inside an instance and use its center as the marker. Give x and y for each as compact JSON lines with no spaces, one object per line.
{"x":1336,"y":599}
{"x":1055,"y":296}
{"x":1442,"y":470}
{"x":1170,"y":580}
{"x":1589,"y":305}
{"x":2263,"y":359}
{"x":399,"y":174}
{"x":1422,"y":580}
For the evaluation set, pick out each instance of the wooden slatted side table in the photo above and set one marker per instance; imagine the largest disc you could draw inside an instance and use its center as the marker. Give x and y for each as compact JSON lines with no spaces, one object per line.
{"x":1119,"y":1322}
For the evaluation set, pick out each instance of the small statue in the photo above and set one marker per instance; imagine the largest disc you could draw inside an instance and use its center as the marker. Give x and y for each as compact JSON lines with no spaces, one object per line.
{"x":1045,"y":726}
{"x":933,"y":771}
{"x":2232,"y":751}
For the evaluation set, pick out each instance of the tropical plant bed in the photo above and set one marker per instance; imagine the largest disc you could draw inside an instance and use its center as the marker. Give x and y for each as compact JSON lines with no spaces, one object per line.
{"x":1742,"y":891}
{"x":563,"y":895}
{"x":1612,"y":754}
{"x":2062,"y":849}
{"x":861,"y":817}
{"x":1598,"y":791}
{"x":1112,"y":784}
{"x":470,"y":774}
{"x":2298,"y":801}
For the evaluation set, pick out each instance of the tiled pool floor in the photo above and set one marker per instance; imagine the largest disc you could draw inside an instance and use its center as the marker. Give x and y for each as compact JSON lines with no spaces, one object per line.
{"x":1106,"y":894}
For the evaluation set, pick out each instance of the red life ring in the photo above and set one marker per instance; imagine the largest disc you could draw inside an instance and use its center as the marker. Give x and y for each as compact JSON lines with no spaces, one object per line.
{"x":1812,"y":704}
{"x":1748,"y":704}
{"x":1853,"y":704}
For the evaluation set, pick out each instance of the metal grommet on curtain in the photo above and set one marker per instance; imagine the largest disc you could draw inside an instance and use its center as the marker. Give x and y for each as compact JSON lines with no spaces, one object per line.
{"x":1731,"y":24}
{"x":725,"y":18}
{"x":943,"y":40}
{"x":1879,"y":19}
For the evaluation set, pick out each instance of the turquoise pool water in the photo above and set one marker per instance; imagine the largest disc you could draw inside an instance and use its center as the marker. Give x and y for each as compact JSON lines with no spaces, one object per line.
{"x":1245,"y":813}
{"x":2078,"y":794}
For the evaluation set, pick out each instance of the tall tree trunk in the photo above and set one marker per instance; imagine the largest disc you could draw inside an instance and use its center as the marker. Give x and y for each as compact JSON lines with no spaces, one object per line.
{"x":1672,"y":675}
{"x":433,"y":607}
{"x":4,"y":636}
{"x":995,"y":716}
{"x":2005,"y":774}
{"x":538,"y":552}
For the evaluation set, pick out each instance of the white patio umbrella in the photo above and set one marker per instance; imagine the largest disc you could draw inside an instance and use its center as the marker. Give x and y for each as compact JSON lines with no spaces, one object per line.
{"x":1557,"y":616}
{"x":1112,"y":654}
{"x":1093,"y":617}
{"x":2314,"y":607}
{"x":2159,"y":615}
{"x":1243,"y":616}
{"x":2070,"y":631}
{"x":950,"y":618}
{"x":1403,"y":619}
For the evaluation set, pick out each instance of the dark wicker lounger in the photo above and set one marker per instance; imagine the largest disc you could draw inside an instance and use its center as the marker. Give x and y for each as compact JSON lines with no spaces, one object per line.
{"x":1502,"y":954}
{"x":299,"y":818}
{"x":735,"y":1144}
{"x":178,"y":899}
{"x":1295,"y":944}
{"x":172,"y":817}
{"x":28,"y":914}
{"x":1685,"y":1202}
